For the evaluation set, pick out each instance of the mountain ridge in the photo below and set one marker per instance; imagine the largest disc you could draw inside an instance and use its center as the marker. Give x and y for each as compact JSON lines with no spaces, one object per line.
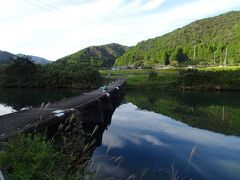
{"x":6,"y":57}
{"x":99,"y":56}
{"x":210,"y":37}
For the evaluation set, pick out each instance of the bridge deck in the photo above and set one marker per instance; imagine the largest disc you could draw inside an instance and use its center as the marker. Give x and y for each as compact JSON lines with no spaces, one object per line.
{"x":27,"y":119}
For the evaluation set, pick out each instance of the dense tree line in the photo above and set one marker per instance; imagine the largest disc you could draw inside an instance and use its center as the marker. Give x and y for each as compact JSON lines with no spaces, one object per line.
{"x":22,"y":72}
{"x":208,"y":41}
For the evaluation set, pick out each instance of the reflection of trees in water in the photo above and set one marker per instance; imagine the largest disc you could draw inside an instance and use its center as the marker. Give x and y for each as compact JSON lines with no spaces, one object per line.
{"x":219,"y":112}
{"x":20,"y":98}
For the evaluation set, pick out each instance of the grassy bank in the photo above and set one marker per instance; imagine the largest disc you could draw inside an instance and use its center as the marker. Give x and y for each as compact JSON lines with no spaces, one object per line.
{"x":218,"y":78}
{"x":64,"y":156}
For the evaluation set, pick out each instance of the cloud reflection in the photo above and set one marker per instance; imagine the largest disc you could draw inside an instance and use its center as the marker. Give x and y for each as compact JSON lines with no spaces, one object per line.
{"x":157,"y":123}
{"x":6,"y":109}
{"x":147,"y":139}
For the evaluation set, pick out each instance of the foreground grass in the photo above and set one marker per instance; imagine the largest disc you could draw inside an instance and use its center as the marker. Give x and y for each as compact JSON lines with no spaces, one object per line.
{"x":65,"y":156}
{"x":218,"y":78}
{"x":26,"y":157}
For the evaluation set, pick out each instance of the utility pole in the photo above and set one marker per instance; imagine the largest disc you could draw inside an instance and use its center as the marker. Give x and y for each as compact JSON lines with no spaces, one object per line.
{"x":194,"y":54}
{"x":214,"y":58}
{"x":223,"y":113}
{"x":226,"y":56}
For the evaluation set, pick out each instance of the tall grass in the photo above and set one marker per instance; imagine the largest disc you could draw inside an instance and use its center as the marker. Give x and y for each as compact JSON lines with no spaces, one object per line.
{"x":210,"y":79}
{"x":37,"y":157}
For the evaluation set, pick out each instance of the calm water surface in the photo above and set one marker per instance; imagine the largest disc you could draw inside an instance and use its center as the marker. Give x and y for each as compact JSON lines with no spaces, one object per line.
{"x":157,"y":135}
{"x":12,"y":100}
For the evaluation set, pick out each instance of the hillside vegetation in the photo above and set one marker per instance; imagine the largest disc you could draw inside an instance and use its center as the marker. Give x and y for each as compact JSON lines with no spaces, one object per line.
{"x":212,"y":78}
{"x":96,"y":56}
{"x":7,"y":57}
{"x":23,"y":73}
{"x":214,"y":40}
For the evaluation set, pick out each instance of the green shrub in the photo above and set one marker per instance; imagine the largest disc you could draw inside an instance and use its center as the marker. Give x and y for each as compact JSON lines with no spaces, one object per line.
{"x":26,"y":157}
{"x":152,"y":75}
{"x":23,"y":73}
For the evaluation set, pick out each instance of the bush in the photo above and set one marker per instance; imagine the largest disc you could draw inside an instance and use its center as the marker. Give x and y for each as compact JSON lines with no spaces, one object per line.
{"x":29,"y":158}
{"x":23,"y":73}
{"x":152,"y":75}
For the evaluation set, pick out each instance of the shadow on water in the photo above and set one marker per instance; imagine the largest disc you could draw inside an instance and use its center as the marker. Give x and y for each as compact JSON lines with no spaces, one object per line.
{"x":16,"y":99}
{"x":214,"y":111}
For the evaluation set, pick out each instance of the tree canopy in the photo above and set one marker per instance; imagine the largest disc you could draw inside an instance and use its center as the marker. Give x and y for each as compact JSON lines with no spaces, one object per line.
{"x":22,"y":72}
{"x":202,"y":42}
{"x":97,"y":56}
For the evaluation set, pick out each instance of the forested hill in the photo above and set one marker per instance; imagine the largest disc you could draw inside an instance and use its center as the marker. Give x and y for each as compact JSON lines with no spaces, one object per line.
{"x":212,"y":38}
{"x":98,"y":56}
{"x":7,"y":57}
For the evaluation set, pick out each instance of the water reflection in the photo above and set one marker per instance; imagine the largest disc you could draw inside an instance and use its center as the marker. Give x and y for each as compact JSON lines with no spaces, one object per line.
{"x":215,"y":111}
{"x":16,"y":99}
{"x":146,"y":145}
{"x":6,"y":109}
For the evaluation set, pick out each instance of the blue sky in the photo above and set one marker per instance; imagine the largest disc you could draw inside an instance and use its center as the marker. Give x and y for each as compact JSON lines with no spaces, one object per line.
{"x":55,"y":28}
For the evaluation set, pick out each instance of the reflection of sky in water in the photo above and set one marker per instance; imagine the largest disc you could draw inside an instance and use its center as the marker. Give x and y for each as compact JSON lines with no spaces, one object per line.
{"x":6,"y":109}
{"x":144,"y":144}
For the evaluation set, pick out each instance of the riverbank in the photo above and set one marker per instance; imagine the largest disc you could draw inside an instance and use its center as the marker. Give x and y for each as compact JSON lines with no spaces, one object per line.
{"x":218,"y":78}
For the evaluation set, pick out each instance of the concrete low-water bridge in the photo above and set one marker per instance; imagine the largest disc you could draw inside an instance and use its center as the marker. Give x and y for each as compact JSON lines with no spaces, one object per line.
{"x":94,"y":107}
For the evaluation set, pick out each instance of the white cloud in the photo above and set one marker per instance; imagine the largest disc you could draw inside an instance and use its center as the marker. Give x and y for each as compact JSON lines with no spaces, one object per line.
{"x":165,"y":125}
{"x":137,"y":6}
{"x":153,"y":140}
{"x":152,"y":4}
{"x":53,"y":29}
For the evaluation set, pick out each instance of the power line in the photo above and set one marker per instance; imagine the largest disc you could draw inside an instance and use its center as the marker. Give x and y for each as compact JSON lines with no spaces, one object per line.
{"x":57,"y":9}
{"x":29,"y":2}
{"x":75,"y":18}
{"x":113,"y":13}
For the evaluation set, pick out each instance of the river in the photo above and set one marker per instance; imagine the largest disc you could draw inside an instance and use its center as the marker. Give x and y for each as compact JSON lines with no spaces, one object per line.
{"x":164,"y":135}
{"x":159,"y":135}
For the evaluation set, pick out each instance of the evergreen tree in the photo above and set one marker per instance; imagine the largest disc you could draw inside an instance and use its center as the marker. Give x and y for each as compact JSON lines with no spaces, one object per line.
{"x":166,"y":58}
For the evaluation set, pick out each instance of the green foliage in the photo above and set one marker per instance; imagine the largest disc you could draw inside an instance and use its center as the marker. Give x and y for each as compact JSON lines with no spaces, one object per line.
{"x":176,"y":79}
{"x":24,"y":73}
{"x":218,"y":112}
{"x":219,"y":78}
{"x":96,"y":56}
{"x":139,"y":79}
{"x":152,"y":75}
{"x":179,"y":56}
{"x":66,"y":156}
{"x":166,"y":58}
{"x":26,"y":157}
{"x":210,"y":36}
